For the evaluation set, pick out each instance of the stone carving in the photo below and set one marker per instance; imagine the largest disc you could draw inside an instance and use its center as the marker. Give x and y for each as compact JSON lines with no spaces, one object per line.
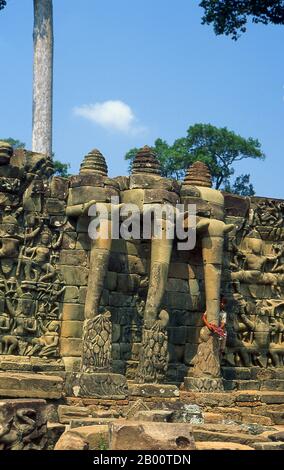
{"x":145,"y":176}
{"x":255,"y":333}
{"x":154,"y":357}
{"x":30,"y":283}
{"x":97,"y":343}
{"x":268,"y":219}
{"x":22,"y":427}
{"x":126,"y":303}
{"x":96,"y":378}
{"x":255,"y":265}
{"x":205,"y":373}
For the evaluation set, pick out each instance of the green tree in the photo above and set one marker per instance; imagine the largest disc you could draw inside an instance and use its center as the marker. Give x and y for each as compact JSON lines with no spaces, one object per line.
{"x":219,"y":148}
{"x":61,"y":169}
{"x":42,"y":75}
{"x":230,"y":17}
{"x":241,"y":186}
{"x":16,"y":144}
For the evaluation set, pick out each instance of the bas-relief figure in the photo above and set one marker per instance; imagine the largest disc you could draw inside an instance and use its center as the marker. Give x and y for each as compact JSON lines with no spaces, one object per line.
{"x":23,"y":425}
{"x":30,"y":282}
{"x":255,"y":333}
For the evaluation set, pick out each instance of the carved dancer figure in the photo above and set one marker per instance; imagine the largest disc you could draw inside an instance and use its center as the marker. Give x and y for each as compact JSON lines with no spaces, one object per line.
{"x":47,"y":344}
{"x":276,"y":347}
{"x":11,"y":239}
{"x":259,"y":347}
{"x":254,"y":266}
{"x":40,"y":257}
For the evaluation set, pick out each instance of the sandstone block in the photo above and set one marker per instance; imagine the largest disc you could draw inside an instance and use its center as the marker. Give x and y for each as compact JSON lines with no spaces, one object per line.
{"x":72,"y":312}
{"x":154,"y":390}
{"x":23,"y":385}
{"x":150,"y":436}
{"x":59,"y":187}
{"x":70,"y":347}
{"x":71,"y":294}
{"x":72,"y":329}
{"x":75,"y":276}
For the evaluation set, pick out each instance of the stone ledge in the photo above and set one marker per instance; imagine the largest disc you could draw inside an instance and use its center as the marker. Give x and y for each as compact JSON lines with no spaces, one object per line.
{"x":153,"y":390}
{"x":22,"y":385}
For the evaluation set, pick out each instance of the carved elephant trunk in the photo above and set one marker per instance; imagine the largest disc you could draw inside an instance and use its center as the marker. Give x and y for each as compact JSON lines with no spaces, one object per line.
{"x":212,"y":242}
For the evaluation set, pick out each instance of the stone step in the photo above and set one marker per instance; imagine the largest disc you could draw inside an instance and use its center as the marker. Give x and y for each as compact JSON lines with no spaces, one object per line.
{"x":78,"y":423}
{"x":268,"y":445}
{"x":252,"y":396}
{"x":276,"y":417}
{"x":221,"y":446}
{"x":67,"y":413}
{"x":237,"y":438}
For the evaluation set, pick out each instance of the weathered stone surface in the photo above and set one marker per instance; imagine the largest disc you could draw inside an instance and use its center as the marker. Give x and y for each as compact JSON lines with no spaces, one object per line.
{"x":69,"y":240}
{"x":184,"y":413}
{"x":155,"y":416}
{"x":236,"y":373}
{"x":75,"y":275}
{"x":221,"y":446}
{"x":240,"y":438}
{"x":71,"y":441}
{"x":130,"y":435}
{"x":59,"y":187}
{"x":277,"y":436}
{"x":85,"y":438}
{"x":30,"y":385}
{"x":71,"y":294}
{"x":235,"y":205}
{"x":55,"y":206}
{"x":23,"y":424}
{"x":268,"y":445}
{"x":71,"y":347}
{"x":67,"y":413}
{"x":89,"y":421}
{"x":257,"y":419}
{"x":54,"y":432}
{"x":73,"y":258}
{"x":154,"y":390}
{"x":72,"y":329}
{"x":72,"y":312}
{"x":99,"y":385}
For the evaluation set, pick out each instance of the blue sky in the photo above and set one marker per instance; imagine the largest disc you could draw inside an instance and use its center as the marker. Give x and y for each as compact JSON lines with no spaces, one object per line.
{"x":129,"y":71}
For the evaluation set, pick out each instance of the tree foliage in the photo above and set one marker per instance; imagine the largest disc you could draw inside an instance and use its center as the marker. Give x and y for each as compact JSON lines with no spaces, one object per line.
{"x":16,"y":144}
{"x":230,"y":17}
{"x":61,"y":169}
{"x":3,"y":3}
{"x":219,"y":148}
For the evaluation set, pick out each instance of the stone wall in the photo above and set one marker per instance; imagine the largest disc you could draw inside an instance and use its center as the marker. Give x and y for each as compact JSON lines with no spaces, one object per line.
{"x":45,"y":265}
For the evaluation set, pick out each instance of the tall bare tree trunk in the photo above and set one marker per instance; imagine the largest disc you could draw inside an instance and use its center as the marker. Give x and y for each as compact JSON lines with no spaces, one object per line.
{"x":43,"y":77}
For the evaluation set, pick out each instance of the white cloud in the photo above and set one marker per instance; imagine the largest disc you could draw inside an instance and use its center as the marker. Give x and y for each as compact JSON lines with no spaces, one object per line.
{"x":112,"y":115}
